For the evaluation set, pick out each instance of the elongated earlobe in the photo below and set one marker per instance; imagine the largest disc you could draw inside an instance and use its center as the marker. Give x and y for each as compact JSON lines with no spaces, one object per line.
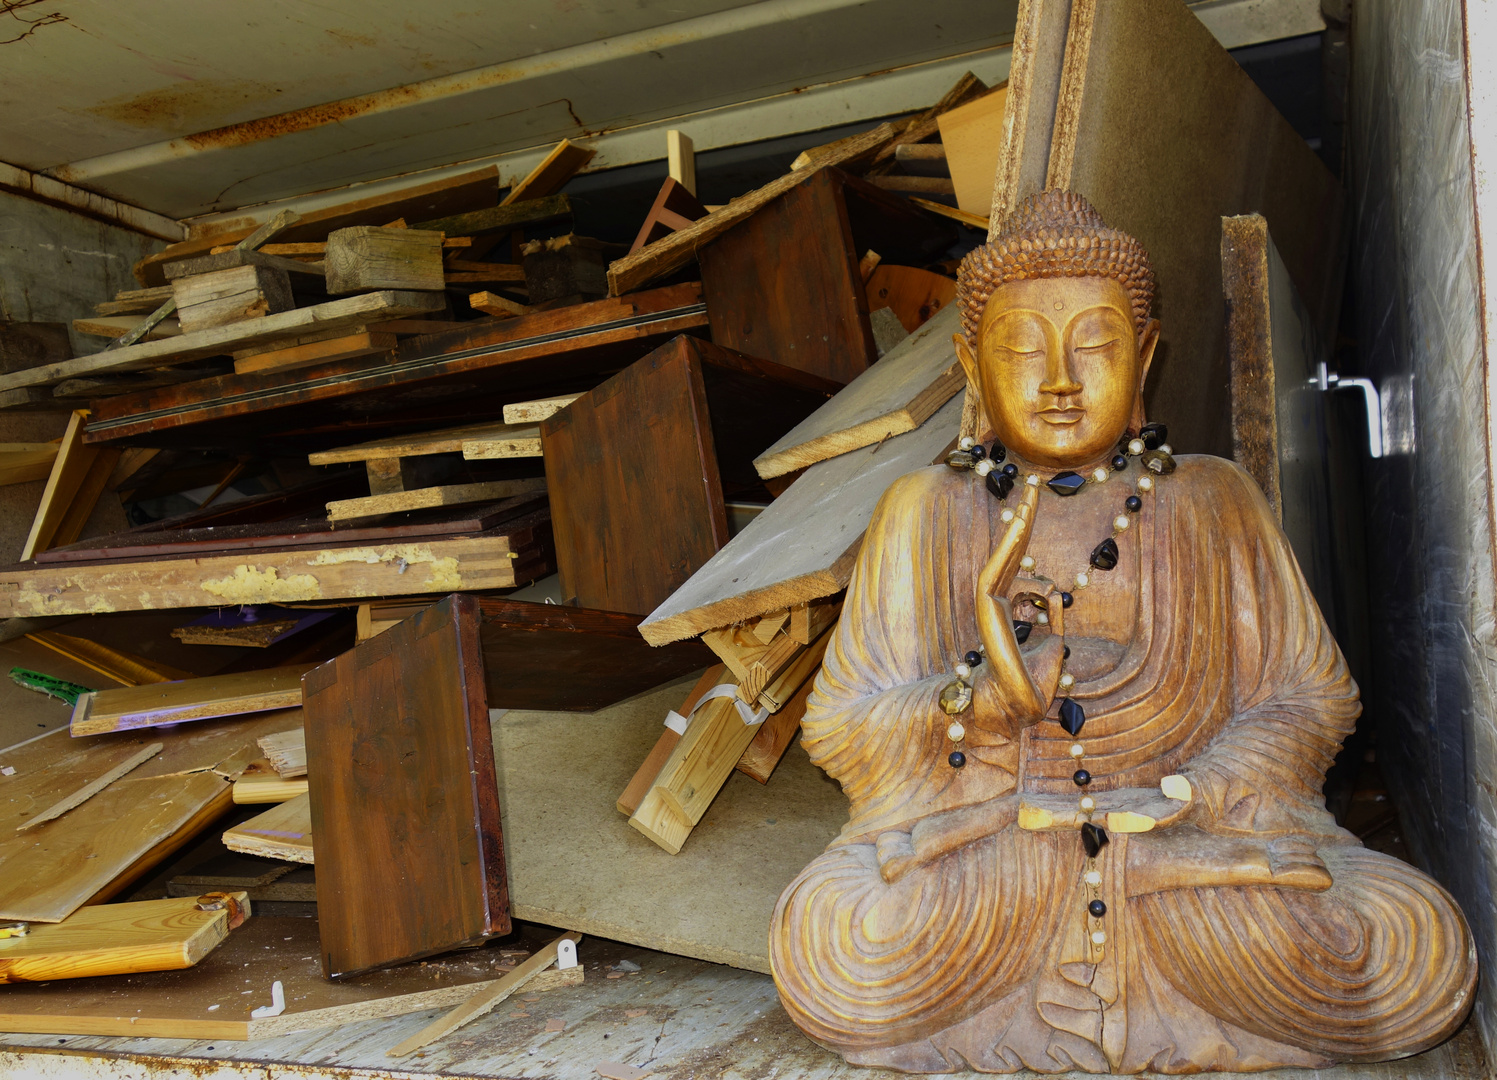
{"x":1148,"y":341}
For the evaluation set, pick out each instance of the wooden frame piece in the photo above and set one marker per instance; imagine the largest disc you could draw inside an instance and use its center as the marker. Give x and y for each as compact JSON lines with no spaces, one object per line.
{"x":154,"y":704}
{"x":74,"y":484}
{"x":674,"y":208}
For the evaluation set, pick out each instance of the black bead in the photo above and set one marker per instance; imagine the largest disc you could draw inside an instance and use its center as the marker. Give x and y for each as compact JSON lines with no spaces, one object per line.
{"x":1010,"y":470}
{"x":1072,"y":716}
{"x":1097,"y":909}
{"x":1065,"y":652}
{"x":1081,"y":778}
{"x":1093,"y":838}
{"x":1021,"y":630}
{"x":1105,"y":554}
{"x":997,"y":453}
{"x":1133,"y":504}
{"x":973,"y":658}
{"x":1066,"y":483}
{"x":977,"y":452}
{"x":1119,"y":462}
{"x":999,"y":484}
{"x":957,"y":759}
{"x":1154,"y":436}
{"x":1066,"y":599}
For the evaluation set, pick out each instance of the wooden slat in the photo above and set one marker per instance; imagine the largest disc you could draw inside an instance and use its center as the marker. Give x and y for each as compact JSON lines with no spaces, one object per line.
{"x":117,"y":939}
{"x":445,"y":441}
{"x":287,"y":750}
{"x":127,"y":669}
{"x":90,"y":789}
{"x":319,"y":352}
{"x":22,"y":463}
{"x":644,"y":776}
{"x":551,"y":175}
{"x":74,"y":484}
{"x":505,"y":218}
{"x":117,"y":326}
{"x":282,"y":832}
{"x":132,"y":707}
{"x":533,"y":412}
{"x":354,"y":310}
{"x":395,"y":502}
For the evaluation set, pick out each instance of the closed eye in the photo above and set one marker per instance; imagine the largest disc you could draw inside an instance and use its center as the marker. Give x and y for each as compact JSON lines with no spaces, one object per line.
{"x":1094,"y":348}
{"x":1021,"y":353}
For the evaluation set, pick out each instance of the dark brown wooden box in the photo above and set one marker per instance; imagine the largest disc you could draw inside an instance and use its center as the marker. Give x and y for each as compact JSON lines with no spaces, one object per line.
{"x":636,"y":469}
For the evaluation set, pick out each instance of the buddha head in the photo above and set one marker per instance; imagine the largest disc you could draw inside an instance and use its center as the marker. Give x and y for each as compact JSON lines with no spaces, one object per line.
{"x":1056,"y":332}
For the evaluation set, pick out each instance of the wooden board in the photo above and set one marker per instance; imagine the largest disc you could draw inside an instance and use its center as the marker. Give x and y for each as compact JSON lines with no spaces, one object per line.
{"x":208,"y":1001}
{"x":396,"y":502}
{"x":118,"y":939}
{"x":99,"y":847}
{"x":533,"y":412}
{"x":345,"y":347}
{"x":502,"y":557}
{"x":160,"y":703}
{"x":803,"y":545}
{"x":282,"y":832}
{"x":402,"y":776}
{"x":551,"y":175}
{"x":1166,"y":167}
{"x":533,"y":212}
{"x":644,"y":777}
{"x":74,"y":484}
{"x":635,"y":468}
{"x":352,"y":311}
{"x":898,"y":394}
{"x":602,"y":656}
{"x":116,"y":326}
{"x":971,"y":135}
{"x":914,"y":295}
{"x":21,"y":463}
{"x":445,"y":441}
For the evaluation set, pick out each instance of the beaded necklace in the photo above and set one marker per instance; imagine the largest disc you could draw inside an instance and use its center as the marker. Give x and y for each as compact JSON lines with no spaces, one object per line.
{"x":1156,"y":458}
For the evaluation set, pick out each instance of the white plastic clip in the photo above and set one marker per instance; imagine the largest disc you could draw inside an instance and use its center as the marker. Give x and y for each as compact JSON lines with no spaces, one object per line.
{"x":277,"y":1003}
{"x":566,"y":955}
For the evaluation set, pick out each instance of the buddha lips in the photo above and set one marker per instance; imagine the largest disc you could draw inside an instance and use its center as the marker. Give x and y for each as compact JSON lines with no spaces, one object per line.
{"x":1156,"y":460}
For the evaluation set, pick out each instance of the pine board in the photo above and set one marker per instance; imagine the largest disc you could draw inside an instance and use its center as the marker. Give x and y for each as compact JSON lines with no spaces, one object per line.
{"x":896,"y":395}
{"x":803,"y":545}
{"x":446,"y":441}
{"x":282,"y":832}
{"x":188,"y":699}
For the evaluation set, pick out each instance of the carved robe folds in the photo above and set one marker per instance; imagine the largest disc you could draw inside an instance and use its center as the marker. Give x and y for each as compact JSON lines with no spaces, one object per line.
{"x":935,"y":933}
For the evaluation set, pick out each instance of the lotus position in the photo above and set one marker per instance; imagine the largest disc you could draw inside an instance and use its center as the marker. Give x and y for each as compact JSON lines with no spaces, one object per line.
{"x":1083,"y":704}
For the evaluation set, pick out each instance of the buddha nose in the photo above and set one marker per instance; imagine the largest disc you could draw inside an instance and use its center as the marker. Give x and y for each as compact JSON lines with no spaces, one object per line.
{"x":1058,"y":378}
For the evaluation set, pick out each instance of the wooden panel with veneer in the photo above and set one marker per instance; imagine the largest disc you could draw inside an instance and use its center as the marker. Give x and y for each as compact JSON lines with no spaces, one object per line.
{"x":913,"y":294}
{"x":132,"y":707}
{"x":635,"y":468}
{"x":402,"y":775}
{"x":674,"y":208}
{"x":282,"y":832}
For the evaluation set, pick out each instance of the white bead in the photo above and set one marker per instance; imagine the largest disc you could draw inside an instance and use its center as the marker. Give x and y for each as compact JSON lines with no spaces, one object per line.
{"x":1099,"y":937}
{"x":1093,"y":877}
{"x":1145,"y":483}
{"x":1164,"y":448}
{"x":967,"y":443}
{"x":1088,"y":803}
{"x":1083,"y":580}
{"x":1042,"y":619}
{"x":1026,"y":563}
{"x":1007,"y":516}
{"x":1077,"y":750}
{"x":1100,"y":475}
{"x":984,"y":467}
{"x":1135,"y":447}
{"x":1120,"y":522}
{"x":1067,"y":681}
{"x":1032,"y":480}
{"x":956,"y":733}
{"x":963,"y":671}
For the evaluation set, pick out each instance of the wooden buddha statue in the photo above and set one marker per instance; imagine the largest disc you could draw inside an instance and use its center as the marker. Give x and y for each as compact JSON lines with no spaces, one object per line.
{"x":1083,"y":704}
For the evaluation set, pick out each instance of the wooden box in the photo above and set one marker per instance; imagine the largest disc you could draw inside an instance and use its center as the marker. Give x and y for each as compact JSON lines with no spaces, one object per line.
{"x":784,"y":285}
{"x":405,"y":808}
{"x":637,"y":468}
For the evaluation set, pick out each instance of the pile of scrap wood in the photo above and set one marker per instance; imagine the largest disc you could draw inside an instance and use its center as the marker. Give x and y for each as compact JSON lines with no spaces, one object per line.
{"x":473,"y":556}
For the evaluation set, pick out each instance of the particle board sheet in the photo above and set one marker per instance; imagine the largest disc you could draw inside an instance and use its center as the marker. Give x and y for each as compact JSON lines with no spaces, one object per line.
{"x":803,"y":545}
{"x":1166,"y":166}
{"x":213,"y":1000}
{"x":714,"y":900}
{"x":898,"y":394}
{"x":559,"y":657}
{"x":404,"y":805}
{"x":282,"y":832}
{"x":49,"y":871}
{"x":155,"y":704}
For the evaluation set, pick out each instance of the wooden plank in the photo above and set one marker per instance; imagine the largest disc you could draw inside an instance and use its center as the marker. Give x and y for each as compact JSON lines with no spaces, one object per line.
{"x":121,"y":833}
{"x":972,"y":221}
{"x":524,"y":442}
{"x":21,"y":463}
{"x":261,"y":784}
{"x":117,"y":939}
{"x":127,"y":669}
{"x":445,"y":441}
{"x":896,"y":395}
{"x":207,"y":1001}
{"x":1034,"y":78}
{"x":287,"y":750}
{"x":345,"y":347}
{"x":117,"y":326}
{"x":1189,"y":160}
{"x":373,"y":773}
{"x":971,"y":135}
{"x":134,"y":301}
{"x":679,"y":248}
{"x":230,"y":296}
{"x":525,"y":644}
{"x":655,"y":436}
{"x":74,"y":484}
{"x":395,"y":502}
{"x":132,"y":707}
{"x":680,"y":159}
{"x":92,"y":788}
{"x":533,"y":412}
{"x":506,"y":218}
{"x":551,"y":175}
{"x":913,"y":294}
{"x":282,"y":832}
{"x":644,"y":776}
{"x":775,"y":736}
{"x":363,"y":258}
{"x":925,"y":185}
{"x":501,"y":307}
{"x":354,"y":310}
{"x":230,"y":258}
{"x":803,"y":545}
{"x":485,"y":1000}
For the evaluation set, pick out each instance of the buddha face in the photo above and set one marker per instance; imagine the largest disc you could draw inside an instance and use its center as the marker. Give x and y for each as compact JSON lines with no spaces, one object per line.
{"x":1060,"y":367}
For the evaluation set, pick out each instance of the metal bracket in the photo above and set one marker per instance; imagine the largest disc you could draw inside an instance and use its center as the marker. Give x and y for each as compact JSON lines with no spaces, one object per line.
{"x":1327,"y":380}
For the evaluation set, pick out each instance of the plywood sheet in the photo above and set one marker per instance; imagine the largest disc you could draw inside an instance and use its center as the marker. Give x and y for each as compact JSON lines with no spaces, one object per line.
{"x":972,"y":135}
{"x":714,"y":900}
